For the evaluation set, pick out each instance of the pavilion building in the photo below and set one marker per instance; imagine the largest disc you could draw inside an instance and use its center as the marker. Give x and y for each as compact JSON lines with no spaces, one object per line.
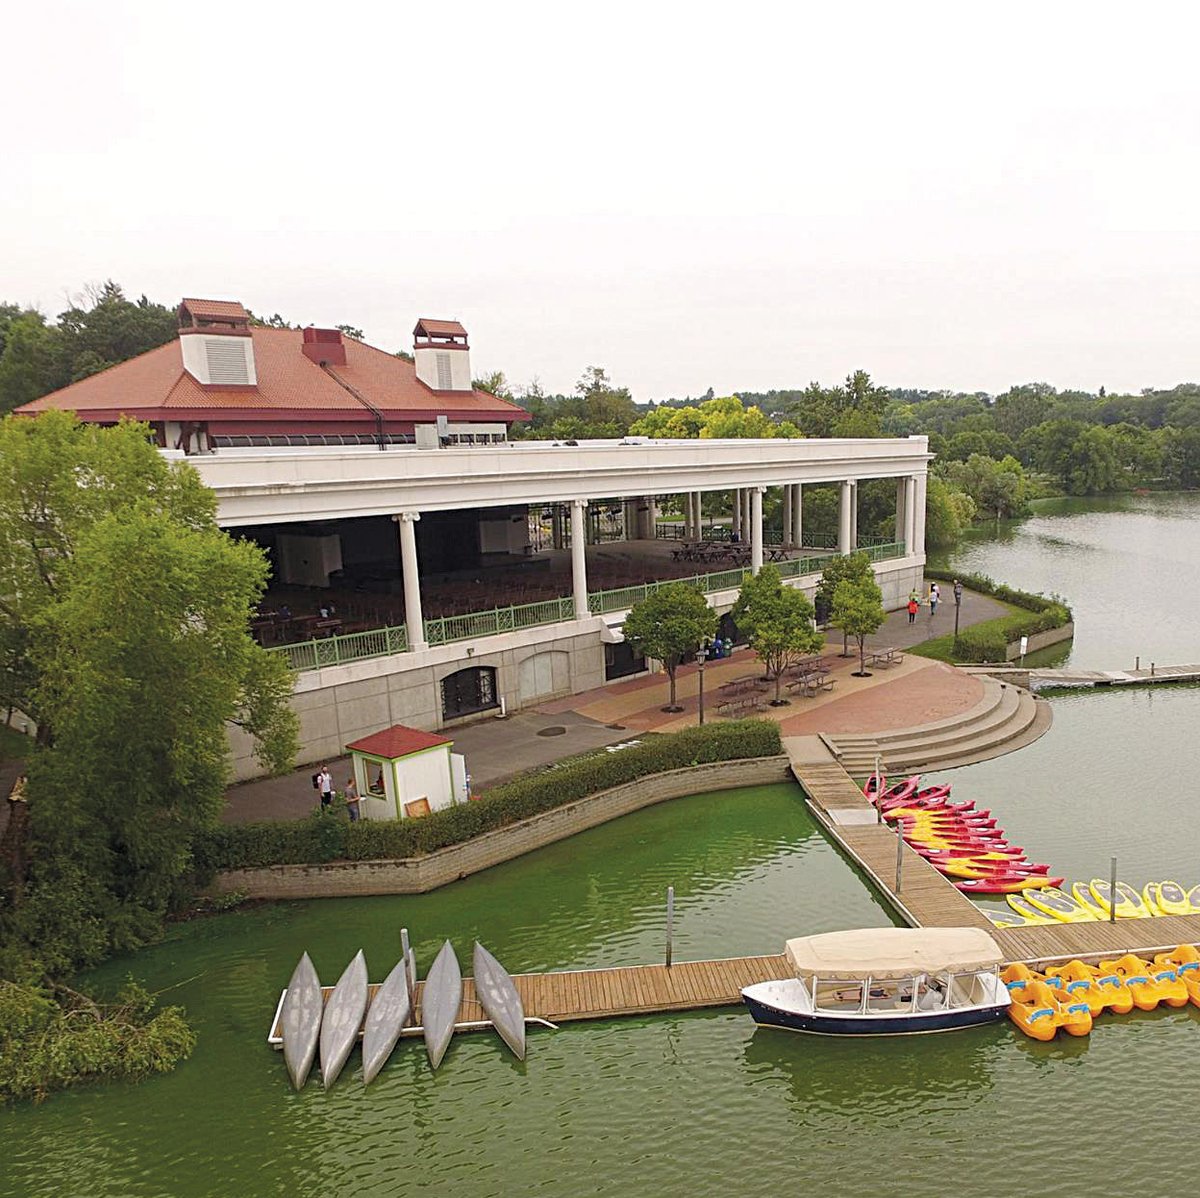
{"x":427,"y":568}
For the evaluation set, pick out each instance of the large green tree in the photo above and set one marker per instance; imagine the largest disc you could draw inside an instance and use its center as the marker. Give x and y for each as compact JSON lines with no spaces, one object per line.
{"x":852,"y":566}
{"x":778,"y":622}
{"x":858,"y":612}
{"x":668,"y":624}
{"x":126,"y":608}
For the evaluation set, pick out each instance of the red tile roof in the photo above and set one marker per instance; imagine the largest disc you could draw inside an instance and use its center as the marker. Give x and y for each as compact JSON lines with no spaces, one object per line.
{"x":439,"y":328}
{"x":216,"y":309}
{"x":154,"y":386}
{"x":398,"y":741}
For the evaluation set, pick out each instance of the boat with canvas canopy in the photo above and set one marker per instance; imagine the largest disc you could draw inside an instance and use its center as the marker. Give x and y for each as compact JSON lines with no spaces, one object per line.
{"x":884,"y":982}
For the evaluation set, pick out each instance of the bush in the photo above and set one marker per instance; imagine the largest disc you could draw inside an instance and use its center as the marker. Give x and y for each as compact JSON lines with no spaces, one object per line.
{"x":321,"y":838}
{"x":981,"y":643}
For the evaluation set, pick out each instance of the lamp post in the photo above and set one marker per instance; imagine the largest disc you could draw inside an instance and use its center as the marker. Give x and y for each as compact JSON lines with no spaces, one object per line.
{"x":701,"y":655}
{"x":957,"y":604}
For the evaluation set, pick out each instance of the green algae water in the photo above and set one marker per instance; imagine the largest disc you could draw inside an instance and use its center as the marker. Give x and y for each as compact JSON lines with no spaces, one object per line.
{"x":703,"y":1103}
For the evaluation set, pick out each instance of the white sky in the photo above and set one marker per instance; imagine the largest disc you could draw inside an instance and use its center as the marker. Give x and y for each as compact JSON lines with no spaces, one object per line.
{"x":691,"y":195}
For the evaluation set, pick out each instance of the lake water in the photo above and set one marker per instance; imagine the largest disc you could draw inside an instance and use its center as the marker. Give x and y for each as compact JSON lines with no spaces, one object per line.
{"x":703,"y":1103}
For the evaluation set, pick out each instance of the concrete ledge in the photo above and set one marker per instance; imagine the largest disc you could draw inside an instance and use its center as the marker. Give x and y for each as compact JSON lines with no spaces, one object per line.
{"x":1041,"y":640}
{"x":417,"y":875}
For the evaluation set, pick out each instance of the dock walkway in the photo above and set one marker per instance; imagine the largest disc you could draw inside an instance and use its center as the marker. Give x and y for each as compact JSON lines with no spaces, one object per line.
{"x":1155,"y":674}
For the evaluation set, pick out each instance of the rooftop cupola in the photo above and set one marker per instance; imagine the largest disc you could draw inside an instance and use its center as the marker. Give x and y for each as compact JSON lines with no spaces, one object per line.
{"x":214,"y":337}
{"x":442,"y":357}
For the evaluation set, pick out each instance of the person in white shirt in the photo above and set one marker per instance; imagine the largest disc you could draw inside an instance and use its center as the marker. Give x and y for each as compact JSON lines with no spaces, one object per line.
{"x":326,"y":779}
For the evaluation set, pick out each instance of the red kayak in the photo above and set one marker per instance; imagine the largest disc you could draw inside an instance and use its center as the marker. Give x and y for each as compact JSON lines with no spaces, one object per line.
{"x":1002,"y":886}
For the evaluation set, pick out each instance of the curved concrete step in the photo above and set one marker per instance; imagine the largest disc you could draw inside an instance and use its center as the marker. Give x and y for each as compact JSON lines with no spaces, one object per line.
{"x":1006,"y":719}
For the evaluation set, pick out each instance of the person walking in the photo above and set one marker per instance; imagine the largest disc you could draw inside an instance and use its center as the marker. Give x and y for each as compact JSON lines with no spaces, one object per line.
{"x":912,"y":608}
{"x":326,"y":788}
{"x":935,"y":596}
{"x":351,"y":793}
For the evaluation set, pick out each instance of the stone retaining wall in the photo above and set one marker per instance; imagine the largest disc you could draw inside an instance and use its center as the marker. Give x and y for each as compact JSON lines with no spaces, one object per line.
{"x":416,"y":875}
{"x":1041,"y":640}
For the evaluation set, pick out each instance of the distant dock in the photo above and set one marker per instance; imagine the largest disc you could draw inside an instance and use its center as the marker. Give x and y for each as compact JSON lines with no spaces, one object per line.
{"x":928,"y":899}
{"x":1035,"y":678}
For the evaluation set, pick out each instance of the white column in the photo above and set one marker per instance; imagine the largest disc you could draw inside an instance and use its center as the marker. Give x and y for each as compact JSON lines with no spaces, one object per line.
{"x":736,"y":526}
{"x":918,"y":514}
{"x":698,"y":500}
{"x":578,"y":558}
{"x":798,"y":516}
{"x":414,"y":621}
{"x":854,"y":517}
{"x":844,"y":505}
{"x":747,"y":518}
{"x":787,"y":513}
{"x":902,"y":510}
{"x":756,"y":530}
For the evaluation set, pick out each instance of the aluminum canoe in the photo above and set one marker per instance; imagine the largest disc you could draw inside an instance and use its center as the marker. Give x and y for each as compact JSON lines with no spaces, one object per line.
{"x":300,"y":1021}
{"x":390,"y":1010}
{"x":499,"y":999}
{"x":343,"y":1017}
{"x":440,"y":1002}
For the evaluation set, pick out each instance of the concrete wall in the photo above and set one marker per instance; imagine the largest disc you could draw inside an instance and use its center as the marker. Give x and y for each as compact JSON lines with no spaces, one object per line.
{"x":416,"y":875}
{"x":1041,"y":640}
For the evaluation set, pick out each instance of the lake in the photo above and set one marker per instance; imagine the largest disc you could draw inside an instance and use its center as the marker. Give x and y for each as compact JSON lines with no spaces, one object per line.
{"x":703,"y":1103}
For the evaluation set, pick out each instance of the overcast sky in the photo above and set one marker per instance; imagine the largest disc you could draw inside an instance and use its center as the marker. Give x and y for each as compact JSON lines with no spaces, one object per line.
{"x":736,"y":196}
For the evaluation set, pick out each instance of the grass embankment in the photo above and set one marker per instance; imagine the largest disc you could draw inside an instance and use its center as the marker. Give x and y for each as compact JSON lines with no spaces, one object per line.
{"x":12,"y":744}
{"x":989,"y":640}
{"x":324,"y":837}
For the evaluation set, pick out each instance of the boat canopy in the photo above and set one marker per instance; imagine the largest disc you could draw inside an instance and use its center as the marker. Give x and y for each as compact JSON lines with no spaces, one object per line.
{"x":893,"y":952}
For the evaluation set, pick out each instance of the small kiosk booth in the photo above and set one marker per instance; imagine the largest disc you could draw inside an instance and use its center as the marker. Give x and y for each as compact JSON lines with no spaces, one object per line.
{"x":404,"y":772}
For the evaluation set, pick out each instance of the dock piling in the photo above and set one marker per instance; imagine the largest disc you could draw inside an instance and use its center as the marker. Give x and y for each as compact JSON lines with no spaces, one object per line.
{"x":899,"y":856}
{"x":1112,"y":893}
{"x":670,"y":922}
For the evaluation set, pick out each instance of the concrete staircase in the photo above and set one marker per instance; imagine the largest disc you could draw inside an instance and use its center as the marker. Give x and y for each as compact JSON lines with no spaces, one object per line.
{"x":1006,"y":718}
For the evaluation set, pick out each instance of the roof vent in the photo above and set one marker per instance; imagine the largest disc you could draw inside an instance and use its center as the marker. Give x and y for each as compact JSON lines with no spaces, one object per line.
{"x":324,"y":346}
{"x":441,"y":355}
{"x":215,"y":341}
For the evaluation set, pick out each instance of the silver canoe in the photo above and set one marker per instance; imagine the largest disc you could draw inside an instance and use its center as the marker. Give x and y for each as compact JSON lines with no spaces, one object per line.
{"x":300,"y":1021}
{"x":343,"y":1017}
{"x":389,"y":1011}
{"x":440,"y":1001}
{"x":499,"y":999}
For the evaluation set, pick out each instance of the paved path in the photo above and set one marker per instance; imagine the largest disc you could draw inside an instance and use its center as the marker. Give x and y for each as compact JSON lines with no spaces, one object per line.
{"x":495,"y":749}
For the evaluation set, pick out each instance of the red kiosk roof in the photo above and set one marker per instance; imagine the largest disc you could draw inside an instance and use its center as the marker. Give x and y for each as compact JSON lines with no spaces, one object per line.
{"x":397,"y":741}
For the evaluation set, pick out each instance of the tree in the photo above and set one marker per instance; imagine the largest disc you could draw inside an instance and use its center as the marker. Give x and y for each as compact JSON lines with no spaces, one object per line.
{"x":725,"y":417}
{"x":858,"y":612}
{"x":852,"y":566}
{"x":27,"y":367}
{"x":126,"y":609}
{"x":948,"y":512}
{"x":778,"y":621}
{"x":668,"y":624}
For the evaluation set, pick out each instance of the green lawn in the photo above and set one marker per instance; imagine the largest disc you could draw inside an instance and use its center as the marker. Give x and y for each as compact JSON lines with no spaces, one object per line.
{"x":941,"y":648}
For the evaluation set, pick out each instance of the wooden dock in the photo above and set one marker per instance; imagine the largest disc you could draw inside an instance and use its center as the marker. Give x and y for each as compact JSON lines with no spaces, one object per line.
{"x":1148,"y":677}
{"x":927,"y":899}
{"x":608,"y":993}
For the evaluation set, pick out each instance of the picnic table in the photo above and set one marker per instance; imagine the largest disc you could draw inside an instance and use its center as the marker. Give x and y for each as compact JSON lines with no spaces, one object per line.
{"x":883,"y":658}
{"x":740,"y":704}
{"x":746,"y":685}
{"x":776,"y":553}
{"x":813,"y":682}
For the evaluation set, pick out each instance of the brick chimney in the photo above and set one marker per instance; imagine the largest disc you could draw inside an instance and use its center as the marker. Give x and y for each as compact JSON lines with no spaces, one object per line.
{"x":324,"y":346}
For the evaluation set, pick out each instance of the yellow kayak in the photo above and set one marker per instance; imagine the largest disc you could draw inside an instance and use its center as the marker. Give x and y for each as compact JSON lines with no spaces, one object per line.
{"x":1083,"y":896}
{"x":1129,"y":902}
{"x":1059,"y":905}
{"x":1173,"y":899}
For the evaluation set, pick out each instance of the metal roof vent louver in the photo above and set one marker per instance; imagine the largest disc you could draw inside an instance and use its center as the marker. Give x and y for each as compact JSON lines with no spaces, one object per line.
{"x":226,"y":360}
{"x":445,"y":375}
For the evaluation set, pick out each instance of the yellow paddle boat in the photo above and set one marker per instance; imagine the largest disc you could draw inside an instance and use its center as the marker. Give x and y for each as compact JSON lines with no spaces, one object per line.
{"x":1079,"y":983}
{"x":1148,"y":987}
{"x":1037,"y":1010}
{"x":1059,"y":905}
{"x":1117,"y":996}
{"x":1185,"y":960}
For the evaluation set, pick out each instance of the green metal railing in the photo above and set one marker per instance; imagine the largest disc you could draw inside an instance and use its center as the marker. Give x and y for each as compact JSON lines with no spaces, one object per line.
{"x":380,"y":642}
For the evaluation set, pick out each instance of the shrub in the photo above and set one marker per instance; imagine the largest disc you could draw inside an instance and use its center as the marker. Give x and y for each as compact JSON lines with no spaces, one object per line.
{"x":321,"y":838}
{"x":981,"y":643}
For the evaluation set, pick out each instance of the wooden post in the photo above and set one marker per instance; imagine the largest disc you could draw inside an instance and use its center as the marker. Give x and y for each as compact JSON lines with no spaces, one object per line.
{"x":1112,"y":890}
{"x":879,"y":793}
{"x":899,"y":855}
{"x":670,"y":922}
